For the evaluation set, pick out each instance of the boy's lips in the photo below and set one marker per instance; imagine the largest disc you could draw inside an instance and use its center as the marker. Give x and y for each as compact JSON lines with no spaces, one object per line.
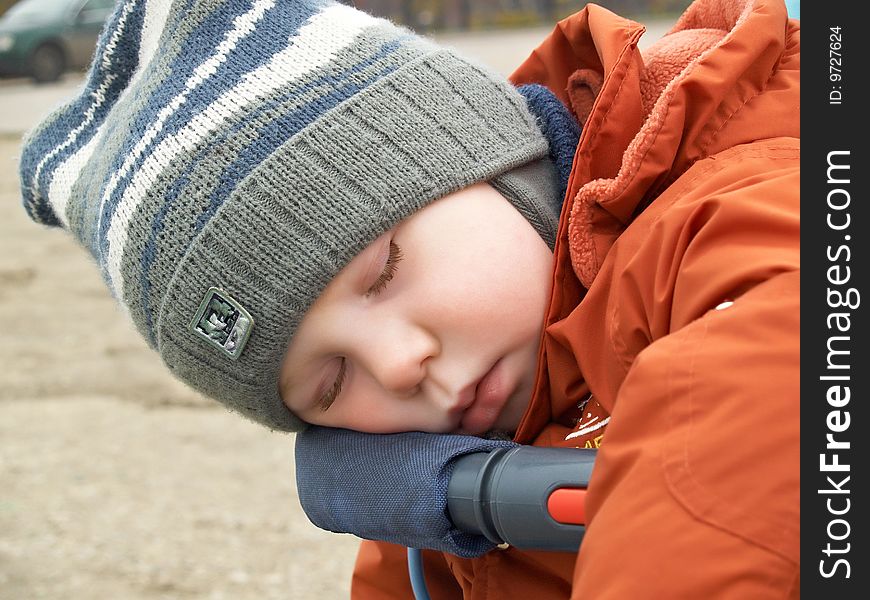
{"x":483,"y":401}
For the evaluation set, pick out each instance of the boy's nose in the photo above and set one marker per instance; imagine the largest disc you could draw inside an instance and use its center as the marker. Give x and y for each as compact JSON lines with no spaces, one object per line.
{"x":397,"y":356}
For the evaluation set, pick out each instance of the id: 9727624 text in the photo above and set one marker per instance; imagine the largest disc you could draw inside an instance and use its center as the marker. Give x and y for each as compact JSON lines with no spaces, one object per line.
{"x":835,"y":65}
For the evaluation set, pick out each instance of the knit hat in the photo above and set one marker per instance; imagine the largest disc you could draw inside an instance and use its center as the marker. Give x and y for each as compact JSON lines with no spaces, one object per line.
{"x":225,"y":159}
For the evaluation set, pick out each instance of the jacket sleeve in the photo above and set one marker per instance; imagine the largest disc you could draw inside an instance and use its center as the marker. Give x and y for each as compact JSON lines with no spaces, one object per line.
{"x":381,"y":573}
{"x":696,"y":487}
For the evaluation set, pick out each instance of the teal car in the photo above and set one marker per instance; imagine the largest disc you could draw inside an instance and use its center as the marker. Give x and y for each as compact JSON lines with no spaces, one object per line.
{"x":44,"y":38}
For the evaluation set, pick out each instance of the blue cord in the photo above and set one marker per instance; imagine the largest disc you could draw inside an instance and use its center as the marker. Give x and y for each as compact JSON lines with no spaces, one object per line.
{"x":415,"y":570}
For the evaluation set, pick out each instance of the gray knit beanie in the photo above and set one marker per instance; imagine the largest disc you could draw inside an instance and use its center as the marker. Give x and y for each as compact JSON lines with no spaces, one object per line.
{"x":225,"y":159}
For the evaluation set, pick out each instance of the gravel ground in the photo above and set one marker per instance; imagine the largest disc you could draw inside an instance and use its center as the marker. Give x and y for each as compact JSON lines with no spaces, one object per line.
{"x":116,"y":481}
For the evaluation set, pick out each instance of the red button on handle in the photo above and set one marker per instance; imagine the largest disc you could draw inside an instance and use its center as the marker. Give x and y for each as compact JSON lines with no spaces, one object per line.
{"x":568,"y":506}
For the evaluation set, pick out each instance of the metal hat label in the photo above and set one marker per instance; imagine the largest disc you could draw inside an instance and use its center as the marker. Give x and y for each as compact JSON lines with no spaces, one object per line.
{"x":223,"y":322}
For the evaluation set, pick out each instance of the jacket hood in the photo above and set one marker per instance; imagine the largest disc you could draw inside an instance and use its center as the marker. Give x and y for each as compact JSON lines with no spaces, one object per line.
{"x":648,"y":116}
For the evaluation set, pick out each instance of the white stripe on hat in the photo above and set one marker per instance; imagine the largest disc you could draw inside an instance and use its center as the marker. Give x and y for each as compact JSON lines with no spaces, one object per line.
{"x":156,"y":14}
{"x":66,"y":174}
{"x":314,"y":45}
{"x":99,"y":96}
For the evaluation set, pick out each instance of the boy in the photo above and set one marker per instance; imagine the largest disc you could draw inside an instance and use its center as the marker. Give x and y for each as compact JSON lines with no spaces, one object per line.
{"x":315,"y":216}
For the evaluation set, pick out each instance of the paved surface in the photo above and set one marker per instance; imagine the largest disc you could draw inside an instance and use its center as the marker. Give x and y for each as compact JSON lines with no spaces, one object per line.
{"x":23,"y":104}
{"x":116,"y":481}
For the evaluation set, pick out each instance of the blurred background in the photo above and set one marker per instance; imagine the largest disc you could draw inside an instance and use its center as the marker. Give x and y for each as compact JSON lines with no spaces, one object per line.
{"x":441,"y":15}
{"x":115,"y":480}
{"x":43,"y":39}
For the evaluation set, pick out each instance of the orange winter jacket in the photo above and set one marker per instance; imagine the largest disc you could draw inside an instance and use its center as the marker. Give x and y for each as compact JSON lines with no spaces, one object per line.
{"x":674,"y":318}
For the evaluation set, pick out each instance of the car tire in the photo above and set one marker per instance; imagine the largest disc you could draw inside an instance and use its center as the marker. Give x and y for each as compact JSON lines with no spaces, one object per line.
{"x":47,"y":64}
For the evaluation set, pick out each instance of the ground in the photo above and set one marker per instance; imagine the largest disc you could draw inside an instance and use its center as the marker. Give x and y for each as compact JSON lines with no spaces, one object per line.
{"x":115,"y":480}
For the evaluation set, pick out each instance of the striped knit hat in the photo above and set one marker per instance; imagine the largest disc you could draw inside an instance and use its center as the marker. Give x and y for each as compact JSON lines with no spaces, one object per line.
{"x":227,"y":158}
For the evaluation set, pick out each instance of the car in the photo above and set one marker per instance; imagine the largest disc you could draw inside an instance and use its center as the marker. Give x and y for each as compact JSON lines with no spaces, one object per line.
{"x":43,"y":39}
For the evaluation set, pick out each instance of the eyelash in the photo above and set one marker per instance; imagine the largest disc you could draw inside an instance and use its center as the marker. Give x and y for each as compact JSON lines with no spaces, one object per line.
{"x":393,"y":260}
{"x":389,"y":271}
{"x":332,"y":394}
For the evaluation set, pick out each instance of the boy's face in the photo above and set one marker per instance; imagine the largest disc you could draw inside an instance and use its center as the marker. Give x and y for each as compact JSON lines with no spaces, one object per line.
{"x":434,"y":327}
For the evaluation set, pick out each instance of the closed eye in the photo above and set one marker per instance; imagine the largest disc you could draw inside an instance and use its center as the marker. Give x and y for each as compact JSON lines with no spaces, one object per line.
{"x":329,"y":397}
{"x":389,"y":271}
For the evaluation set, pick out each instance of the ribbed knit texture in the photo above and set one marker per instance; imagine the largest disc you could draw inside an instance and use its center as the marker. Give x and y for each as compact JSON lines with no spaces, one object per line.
{"x":256,"y":147}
